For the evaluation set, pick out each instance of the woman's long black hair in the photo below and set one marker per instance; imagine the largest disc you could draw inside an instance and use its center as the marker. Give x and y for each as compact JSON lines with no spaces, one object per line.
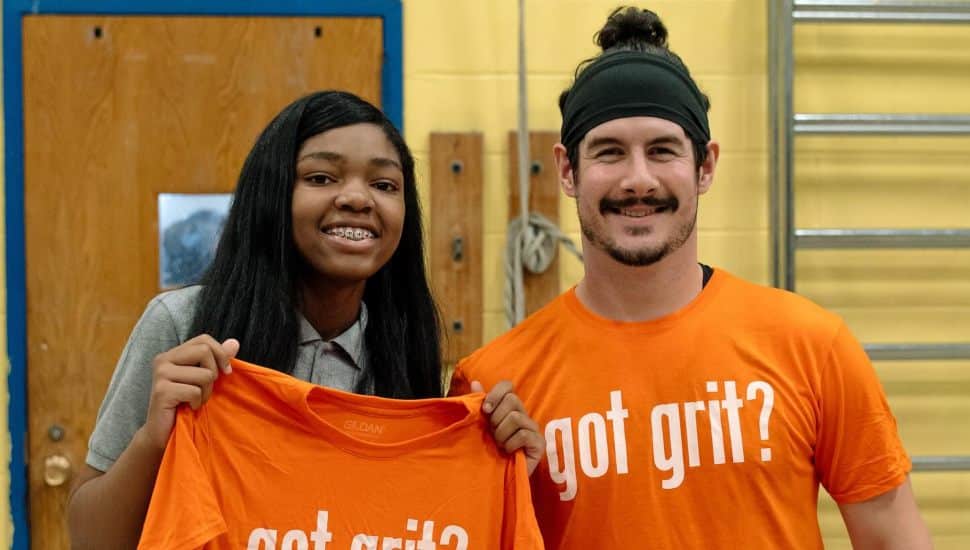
{"x":250,"y":290}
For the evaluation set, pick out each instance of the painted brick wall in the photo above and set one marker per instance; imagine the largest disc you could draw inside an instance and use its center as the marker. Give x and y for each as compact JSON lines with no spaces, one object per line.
{"x":461,"y":75}
{"x":905,"y":182}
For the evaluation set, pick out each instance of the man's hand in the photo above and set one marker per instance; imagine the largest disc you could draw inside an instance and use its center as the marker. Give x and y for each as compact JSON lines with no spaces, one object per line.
{"x":512,"y":427}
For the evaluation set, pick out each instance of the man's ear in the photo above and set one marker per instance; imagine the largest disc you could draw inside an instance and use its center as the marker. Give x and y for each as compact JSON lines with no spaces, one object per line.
{"x":564,"y":169}
{"x":705,"y":174}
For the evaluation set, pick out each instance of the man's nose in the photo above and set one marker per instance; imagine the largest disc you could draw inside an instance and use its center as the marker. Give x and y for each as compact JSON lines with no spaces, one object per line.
{"x":639,"y":178}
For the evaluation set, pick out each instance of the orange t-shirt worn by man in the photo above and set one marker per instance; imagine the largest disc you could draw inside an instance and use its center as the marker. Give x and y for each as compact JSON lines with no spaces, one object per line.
{"x":272,"y":462}
{"x":709,"y":428}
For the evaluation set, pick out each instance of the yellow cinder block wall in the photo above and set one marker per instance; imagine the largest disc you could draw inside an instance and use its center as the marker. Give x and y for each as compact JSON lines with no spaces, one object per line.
{"x":461,"y":70}
{"x":904,"y":182}
{"x":461,"y":75}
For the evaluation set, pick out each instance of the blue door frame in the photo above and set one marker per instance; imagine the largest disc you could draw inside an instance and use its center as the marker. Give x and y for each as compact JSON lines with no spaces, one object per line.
{"x":392,"y":98}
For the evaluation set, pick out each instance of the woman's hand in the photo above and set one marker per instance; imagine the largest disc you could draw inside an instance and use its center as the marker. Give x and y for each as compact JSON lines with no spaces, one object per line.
{"x":184,"y":374}
{"x":512,"y":427}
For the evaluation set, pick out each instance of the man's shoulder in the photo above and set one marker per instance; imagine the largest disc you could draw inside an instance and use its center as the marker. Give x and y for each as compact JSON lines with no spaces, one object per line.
{"x":516,"y":342}
{"x":780,"y":308}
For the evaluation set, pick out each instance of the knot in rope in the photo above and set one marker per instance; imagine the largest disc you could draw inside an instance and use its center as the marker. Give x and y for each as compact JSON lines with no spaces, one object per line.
{"x":536,"y":241}
{"x":532,"y":246}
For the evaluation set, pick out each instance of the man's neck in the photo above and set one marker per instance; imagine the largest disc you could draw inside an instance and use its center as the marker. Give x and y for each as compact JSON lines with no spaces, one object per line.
{"x":624,"y":293}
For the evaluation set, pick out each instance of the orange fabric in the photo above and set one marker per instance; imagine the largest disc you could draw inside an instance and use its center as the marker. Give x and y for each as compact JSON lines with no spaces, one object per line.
{"x":654,"y":429}
{"x":274,"y":462}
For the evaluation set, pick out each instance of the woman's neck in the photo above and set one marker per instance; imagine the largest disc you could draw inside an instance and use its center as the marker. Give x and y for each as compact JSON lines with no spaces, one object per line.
{"x":331,"y":308}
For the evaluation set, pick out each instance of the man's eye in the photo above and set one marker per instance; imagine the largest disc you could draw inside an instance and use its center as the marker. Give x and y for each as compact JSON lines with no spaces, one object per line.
{"x":611,"y":152}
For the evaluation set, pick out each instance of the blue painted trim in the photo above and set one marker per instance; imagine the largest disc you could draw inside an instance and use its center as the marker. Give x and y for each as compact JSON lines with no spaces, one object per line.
{"x":392,"y":75}
{"x":211,"y":7}
{"x":16,"y":272}
{"x":392,"y":100}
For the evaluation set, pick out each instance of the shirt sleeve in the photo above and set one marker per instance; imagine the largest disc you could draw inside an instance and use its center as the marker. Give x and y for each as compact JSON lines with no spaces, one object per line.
{"x":183,"y":513}
{"x":125,"y":404}
{"x":859,"y":454}
{"x":520,"y":530}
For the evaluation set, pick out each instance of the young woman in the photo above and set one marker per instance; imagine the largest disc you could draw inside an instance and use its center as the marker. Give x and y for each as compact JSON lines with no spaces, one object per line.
{"x":319,"y":273}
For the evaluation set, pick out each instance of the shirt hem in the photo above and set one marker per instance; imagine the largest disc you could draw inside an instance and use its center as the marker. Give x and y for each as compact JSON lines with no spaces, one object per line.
{"x":99,"y":461}
{"x":873,"y":491}
{"x":192,"y":542}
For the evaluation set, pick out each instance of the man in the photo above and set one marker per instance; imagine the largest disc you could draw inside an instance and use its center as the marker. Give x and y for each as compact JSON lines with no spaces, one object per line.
{"x":683,"y":407}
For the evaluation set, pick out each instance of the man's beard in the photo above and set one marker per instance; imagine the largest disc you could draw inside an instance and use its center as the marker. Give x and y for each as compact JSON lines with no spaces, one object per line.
{"x":642,"y":256}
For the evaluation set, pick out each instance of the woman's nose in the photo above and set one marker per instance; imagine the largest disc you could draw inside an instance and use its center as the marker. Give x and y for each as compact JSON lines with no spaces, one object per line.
{"x":354,"y":196}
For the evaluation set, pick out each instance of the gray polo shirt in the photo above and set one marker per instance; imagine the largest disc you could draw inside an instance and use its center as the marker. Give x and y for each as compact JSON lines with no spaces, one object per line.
{"x":338,"y":363}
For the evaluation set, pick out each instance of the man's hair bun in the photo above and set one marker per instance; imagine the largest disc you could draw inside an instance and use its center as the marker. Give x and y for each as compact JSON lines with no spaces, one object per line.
{"x":632,"y":28}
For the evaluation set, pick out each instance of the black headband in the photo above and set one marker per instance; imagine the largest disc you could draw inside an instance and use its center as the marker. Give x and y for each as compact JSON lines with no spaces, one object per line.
{"x":629,"y":83}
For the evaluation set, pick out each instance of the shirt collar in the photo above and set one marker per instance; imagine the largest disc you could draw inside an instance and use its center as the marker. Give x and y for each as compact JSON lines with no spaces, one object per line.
{"x":350,"y":340}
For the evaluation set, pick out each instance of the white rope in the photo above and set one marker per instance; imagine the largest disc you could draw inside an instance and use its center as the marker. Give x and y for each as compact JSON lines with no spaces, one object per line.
{"x":529,"y":245}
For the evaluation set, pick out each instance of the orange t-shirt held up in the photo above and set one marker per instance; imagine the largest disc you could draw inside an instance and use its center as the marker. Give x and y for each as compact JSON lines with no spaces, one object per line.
{"x":272,"y":462}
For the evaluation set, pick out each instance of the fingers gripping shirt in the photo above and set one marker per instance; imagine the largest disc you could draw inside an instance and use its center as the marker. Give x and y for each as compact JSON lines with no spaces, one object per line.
{"x":273,"y":462}
{"x":341,"y":363}
{"x":711,"y":427}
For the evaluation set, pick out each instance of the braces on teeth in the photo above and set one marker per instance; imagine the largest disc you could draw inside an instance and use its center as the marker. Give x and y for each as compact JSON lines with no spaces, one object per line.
{"x":353,"y":234}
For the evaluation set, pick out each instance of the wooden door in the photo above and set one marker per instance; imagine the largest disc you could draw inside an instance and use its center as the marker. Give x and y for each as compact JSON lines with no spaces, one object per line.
{"x":116,"y":111}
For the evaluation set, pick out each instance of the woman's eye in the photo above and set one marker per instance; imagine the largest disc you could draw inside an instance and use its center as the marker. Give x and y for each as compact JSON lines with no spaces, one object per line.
{"x":385,"y":185}
{"x":319,"y":179}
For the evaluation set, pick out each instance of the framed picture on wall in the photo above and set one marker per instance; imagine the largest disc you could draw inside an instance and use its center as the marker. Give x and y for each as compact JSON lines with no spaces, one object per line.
{"x":189,"y":226}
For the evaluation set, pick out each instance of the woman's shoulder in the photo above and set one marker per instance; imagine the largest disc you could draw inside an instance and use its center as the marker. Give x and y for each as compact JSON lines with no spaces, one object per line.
{"x":180,"y":299}
{"x":174,"y":308}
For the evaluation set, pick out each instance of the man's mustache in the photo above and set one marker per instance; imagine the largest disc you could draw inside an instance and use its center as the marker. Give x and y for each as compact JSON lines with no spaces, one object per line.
{"x":608,"y":204}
